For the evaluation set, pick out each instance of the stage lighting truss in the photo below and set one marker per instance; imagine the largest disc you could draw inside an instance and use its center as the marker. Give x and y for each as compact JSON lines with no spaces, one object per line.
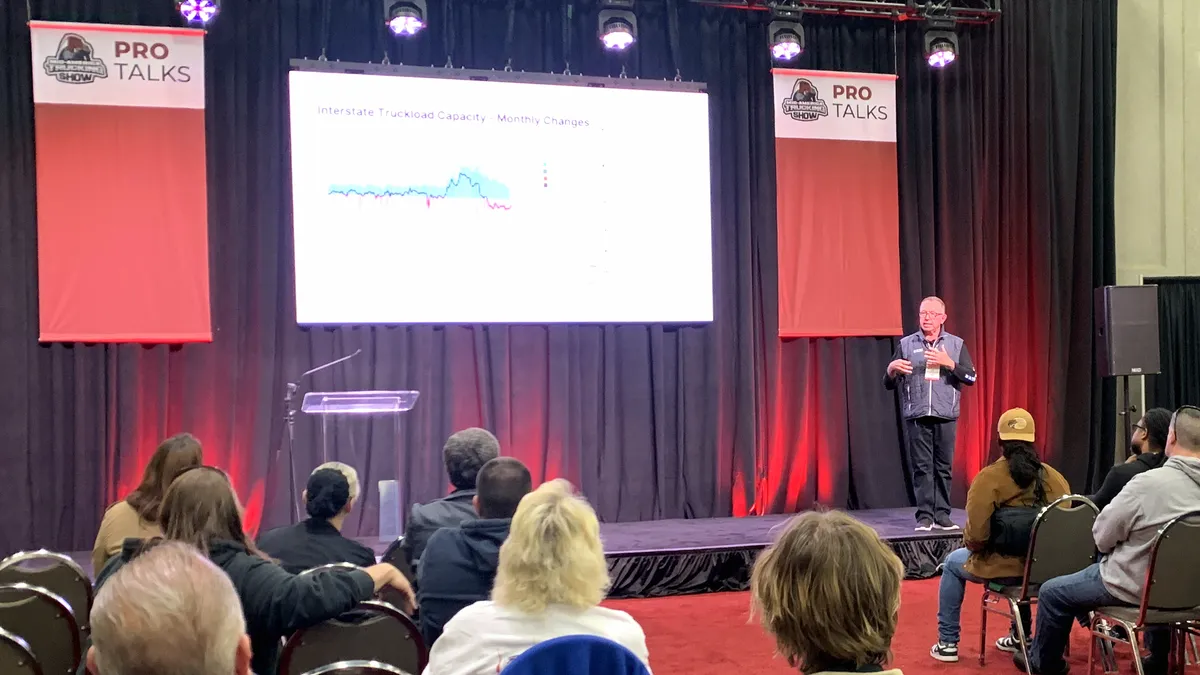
{"x":958,"y":11}
{"x":617,"y":25}
{"x":786,"y":34}
{"x":405,"y":18}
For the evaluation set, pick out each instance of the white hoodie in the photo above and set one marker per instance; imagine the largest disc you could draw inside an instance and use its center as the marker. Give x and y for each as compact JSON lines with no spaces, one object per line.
{"x":483,"y":638}
{"x":1126,"y":528}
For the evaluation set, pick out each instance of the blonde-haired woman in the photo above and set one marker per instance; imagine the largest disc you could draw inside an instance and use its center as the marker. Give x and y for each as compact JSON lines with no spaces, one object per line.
{"x":829,"y":592}
{"x":551,"y":579}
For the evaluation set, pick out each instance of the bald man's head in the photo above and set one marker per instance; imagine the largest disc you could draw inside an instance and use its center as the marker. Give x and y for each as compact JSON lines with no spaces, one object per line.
{"x":1184,"y":436}
{"x":169,"y":610}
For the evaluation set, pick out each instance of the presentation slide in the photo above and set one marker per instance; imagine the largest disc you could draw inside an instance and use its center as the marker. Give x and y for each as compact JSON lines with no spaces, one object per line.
{"x":430,"y":200}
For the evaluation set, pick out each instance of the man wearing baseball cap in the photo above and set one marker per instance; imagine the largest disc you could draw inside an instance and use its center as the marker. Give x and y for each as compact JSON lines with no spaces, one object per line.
{"x":1017,"y":479}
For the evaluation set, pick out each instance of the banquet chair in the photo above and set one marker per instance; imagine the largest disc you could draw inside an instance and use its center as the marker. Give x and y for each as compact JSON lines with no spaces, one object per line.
{"x":380,"y":632}
{"x":16,"y":658}
{"x":1170,"y":595}
{"x":387,"y":594}
{"x":1060,"y":543}
{"x":46,"y":623}
{"x":54,"y":572}
{"x":394,"y":555}
{"x":576,"y":655}
{"x":357,"y":668}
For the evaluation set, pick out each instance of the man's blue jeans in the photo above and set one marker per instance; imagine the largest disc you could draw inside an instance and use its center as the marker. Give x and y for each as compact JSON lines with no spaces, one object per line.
{"x":951,"y":590}
{"x":1061,"y":601}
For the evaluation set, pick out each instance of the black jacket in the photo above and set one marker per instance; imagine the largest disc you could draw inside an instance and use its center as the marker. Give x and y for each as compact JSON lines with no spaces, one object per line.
{"x":312,"y":543}
{"x":458,"y":570}
{"x":1121,"y":474}
{"x":274,"y":602}
{"x":425,"y":519}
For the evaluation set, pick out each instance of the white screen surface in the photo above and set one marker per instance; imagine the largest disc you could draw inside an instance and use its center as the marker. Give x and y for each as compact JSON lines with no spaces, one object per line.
{"x":425,"y":200}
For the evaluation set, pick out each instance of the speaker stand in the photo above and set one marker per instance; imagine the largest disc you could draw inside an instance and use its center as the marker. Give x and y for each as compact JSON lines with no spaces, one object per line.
{"x":1127,"y":411}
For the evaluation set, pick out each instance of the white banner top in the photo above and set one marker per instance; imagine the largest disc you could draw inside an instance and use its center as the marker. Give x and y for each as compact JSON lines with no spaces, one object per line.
{"x":829,"y":105}
{"x":105,"y":64}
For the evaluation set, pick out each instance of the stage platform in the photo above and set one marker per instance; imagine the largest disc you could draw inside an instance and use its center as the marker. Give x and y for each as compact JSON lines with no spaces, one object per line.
{"x":678,"y":557}
{"x":657,"y":558}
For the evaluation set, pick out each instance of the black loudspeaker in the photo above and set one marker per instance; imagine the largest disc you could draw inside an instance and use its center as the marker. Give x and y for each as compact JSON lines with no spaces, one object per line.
{"x":1127,"y":330}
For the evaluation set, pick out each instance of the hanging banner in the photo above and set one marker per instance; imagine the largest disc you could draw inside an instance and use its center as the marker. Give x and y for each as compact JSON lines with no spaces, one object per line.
{"x":122,"y":203}
{"x":838,"y":204}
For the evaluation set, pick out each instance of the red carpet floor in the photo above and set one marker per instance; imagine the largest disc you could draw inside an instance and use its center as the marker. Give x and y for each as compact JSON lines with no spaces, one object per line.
{"x":712,"y":635}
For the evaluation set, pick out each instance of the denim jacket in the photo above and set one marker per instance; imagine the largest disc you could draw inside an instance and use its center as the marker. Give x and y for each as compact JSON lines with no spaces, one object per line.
{"x":931,"y":398}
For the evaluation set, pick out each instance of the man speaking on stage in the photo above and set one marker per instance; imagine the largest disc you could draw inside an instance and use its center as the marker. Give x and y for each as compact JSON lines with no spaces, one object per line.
{"x":930,"y":367}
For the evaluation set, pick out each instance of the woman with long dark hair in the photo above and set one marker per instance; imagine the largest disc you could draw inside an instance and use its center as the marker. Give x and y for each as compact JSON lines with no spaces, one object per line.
{"x":1019,"y":478}
{"x":329,"y":498}
{"x":201,"y":509}
{"x":136,"y":516}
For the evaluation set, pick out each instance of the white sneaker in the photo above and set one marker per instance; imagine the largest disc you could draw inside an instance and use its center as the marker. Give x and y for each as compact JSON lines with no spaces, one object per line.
{"x":946,"y":653}
{"x":1008,"y":643}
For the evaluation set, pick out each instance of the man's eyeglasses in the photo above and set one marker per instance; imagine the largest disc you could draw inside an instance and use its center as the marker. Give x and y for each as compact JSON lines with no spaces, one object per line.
{"x":1140,"y":426}
{"x":930,"y":315}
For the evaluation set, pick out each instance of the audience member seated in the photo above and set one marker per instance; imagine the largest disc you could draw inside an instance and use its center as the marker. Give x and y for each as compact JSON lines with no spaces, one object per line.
{"x":1149,"y":440}
{"x":330,"y":496}
{"x":1017,"y":479}
{"x":460,"y":562}
{"x":828,"y":591}
{"x":465,"y":453}
{"x":201,"y":509}
{"x":1125,"y":533}
{"x":551,"y":579}
{"x":136,"y":516}
{"x":169,"y":611}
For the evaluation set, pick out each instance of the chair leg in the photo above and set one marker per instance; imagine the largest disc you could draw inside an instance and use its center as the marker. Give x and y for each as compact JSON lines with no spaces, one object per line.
{"x":1092,"y":640}
{"x":1193,"y":652}
{"x":1137,"y":650}
{"x":1021,"y":639}
{"x":983,"y":606}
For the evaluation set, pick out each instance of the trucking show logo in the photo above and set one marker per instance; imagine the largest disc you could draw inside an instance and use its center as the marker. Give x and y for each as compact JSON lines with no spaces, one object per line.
{"x":75,"y":61}
{"x":805,"y":104}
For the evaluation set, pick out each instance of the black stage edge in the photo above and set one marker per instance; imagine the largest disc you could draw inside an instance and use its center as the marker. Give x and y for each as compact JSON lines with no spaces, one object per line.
{"x":658,"y":558}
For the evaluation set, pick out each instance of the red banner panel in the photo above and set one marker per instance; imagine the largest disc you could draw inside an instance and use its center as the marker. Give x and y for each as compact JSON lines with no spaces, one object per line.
{"x":838,"y":204}
{"x":121,"y":180}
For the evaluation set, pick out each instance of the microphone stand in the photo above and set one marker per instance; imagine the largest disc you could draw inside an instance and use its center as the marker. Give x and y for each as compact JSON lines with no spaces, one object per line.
{"x":289,"y":417}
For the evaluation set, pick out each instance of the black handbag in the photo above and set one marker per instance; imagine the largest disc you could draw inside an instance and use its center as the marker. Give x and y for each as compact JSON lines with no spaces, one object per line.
{"x":1012,"y":526}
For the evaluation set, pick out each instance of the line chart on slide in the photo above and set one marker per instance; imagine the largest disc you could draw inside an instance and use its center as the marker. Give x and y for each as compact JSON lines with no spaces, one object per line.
{"x":469,"y":185}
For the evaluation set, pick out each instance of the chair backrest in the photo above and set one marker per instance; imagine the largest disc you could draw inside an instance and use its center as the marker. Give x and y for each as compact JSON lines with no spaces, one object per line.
{"x":383,"y":634}
{"x":1061,"y":542}
{"x":1171,"y":583}
{"x":394,"y":555}
{"x":358,"y":668}
{"x":45,"y":622}
{"x":576,"y":655}
{"x":16,"y":658}
{"x":54,"y":572}
{"x":331,"y":566}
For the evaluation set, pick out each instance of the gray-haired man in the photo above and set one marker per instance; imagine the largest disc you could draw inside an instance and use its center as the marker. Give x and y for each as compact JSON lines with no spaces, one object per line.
{"x":168,"y":610}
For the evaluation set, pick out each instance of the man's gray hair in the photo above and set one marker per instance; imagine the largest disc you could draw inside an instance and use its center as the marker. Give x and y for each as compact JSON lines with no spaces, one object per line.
{"x":170,"y":610}
{"x":934,"y":298}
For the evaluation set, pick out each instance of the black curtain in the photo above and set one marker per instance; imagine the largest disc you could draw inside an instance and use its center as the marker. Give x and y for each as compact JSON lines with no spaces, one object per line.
{"x":1178,"y":344}
{"x":1006,"y":200}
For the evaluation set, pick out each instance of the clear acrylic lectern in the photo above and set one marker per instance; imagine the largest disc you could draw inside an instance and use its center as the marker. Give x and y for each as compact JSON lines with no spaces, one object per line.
{"x":329,"y":404}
